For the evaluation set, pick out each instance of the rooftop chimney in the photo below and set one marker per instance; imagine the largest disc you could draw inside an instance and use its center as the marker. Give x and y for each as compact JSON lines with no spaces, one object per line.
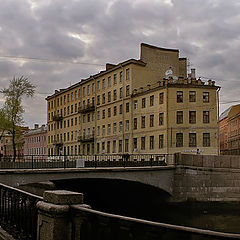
{"x":193,"y":72}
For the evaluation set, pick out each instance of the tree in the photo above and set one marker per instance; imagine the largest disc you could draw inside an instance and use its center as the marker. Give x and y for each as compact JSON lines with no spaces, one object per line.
{"x":4,"y":123}
{"x":18,"y":88}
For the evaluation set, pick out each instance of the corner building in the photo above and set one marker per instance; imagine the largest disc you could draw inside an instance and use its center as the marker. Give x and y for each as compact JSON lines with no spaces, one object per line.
{"x":148,"y":105}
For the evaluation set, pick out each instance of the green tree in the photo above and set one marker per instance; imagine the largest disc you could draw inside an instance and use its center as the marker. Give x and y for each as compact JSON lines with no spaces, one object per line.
{"x":13,"y":109}
{"x":4,"y":123}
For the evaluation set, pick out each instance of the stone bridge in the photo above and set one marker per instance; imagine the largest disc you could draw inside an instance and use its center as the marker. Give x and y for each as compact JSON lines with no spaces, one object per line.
{"x":192,"y":177}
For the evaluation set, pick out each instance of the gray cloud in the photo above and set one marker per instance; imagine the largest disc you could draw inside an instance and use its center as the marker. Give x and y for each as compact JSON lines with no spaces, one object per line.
{"x":100,"y":31}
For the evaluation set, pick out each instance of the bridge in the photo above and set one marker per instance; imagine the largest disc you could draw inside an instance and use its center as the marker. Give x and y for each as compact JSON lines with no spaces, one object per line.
{"x":157,"y":176}
{"x":63,"y":215}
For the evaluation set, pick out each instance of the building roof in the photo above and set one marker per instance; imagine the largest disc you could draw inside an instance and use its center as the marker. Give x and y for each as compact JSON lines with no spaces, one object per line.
{"x":31,"y":132}
{"x":227,"y":111}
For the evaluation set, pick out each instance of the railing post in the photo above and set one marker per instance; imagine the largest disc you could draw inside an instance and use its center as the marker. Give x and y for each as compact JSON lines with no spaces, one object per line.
{"x":53,"y":214}
{"x":32,"y":162}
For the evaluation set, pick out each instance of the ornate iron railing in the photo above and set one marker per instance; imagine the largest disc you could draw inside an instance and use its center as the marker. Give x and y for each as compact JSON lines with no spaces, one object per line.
{"x":18,"y":212}
{"x":89,"y":224}
{"x":101,"y":160}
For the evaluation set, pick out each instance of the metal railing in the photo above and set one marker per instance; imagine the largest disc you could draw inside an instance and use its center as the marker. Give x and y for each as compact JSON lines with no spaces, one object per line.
{"x":18,"y":212}
{"x":104,"y":226}
{"x":103,"y":160}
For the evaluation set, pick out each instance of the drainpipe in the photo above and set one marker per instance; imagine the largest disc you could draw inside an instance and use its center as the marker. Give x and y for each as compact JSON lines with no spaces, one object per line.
{"x":218,"y":132}
{"x":166,"y":84}
{"x":123,"y":125}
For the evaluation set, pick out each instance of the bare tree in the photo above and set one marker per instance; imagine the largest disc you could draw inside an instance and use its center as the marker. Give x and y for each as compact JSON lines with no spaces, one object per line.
{"x":17,"y":89}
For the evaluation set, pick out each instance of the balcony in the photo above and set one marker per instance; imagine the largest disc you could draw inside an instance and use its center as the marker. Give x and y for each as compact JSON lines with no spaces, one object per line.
{"x":86,"y":138}
{"x":87,"y":108}
{"x":57,"y":117}
{"x":58,"y":143}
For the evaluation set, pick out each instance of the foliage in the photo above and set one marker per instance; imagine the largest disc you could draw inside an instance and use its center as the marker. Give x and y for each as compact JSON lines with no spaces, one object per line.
{"x":13,"y":109}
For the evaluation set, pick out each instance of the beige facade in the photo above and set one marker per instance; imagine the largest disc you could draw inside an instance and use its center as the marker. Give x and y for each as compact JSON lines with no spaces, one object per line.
{"x":138,"y":106}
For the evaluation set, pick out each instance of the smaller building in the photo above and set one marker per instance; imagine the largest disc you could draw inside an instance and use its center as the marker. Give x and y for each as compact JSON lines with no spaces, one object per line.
{"x":229,"y":126}
{"x":35,"y":141}
{"x":6,"y":140}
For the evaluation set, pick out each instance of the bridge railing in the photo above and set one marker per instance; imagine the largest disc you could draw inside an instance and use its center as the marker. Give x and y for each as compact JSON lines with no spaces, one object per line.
{"x":18,"y":212}
{"x":92,"y":224}
{"x":100,"y":160}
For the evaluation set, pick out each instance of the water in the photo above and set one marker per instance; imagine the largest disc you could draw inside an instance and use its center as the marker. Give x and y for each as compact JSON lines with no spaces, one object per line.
{"x":141,"y":201}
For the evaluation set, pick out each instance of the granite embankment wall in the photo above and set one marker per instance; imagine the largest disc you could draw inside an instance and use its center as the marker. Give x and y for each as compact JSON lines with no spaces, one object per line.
{"x":207,"y":178}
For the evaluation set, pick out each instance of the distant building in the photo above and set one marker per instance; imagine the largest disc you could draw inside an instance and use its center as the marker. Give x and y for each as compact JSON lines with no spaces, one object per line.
{"x":19,"y":141}
{"x":35,"y":141}
{"x":148,"y":105}
{"x":4,"y":143}
{"x":229,"y":125}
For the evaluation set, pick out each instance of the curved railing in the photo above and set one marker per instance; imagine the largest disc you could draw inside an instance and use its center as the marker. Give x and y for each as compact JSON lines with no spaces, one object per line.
{"x":18,"y":212}
{"x":92,"y":224}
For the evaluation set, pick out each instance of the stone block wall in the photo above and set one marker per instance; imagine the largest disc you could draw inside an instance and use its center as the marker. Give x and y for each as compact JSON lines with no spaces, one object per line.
{"x":207,"y":178}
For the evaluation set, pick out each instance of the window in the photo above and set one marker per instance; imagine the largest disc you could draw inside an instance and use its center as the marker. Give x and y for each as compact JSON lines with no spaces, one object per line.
{"x":179,"y":140}
{"x":98,"y":115}
{"x":109,"y":112}
{"x":103,"y":130}
{"x":120,"y":109}
{"x":109,"y":81}
{"x":134,"y":144}
{"x":127,"y":90}
{"x":84,"y":91}
{"x":109,"y":129}
{"x":206,"y":139}
{"x":120,"y":146}
{"x":114,"y":127}
{"x":93,"y":87}
{"x":206,"y":97}
{"x":161,"y":119}
{"x":115,"y":110}
{"x":143,"y":102}
{"x":135,"y":104}
{"x":126,"y":145}
{"x":206,"y":117}
{"x":161,"y":141}
{"x":114,"y":95}
{"x":161,"y":98}
{"x":98,"y":130}
{"x":151,"y":142}
{"x":98,"y":100}
{"x":103,"y":84}
{"x":121,"y":76}
{"x":135,"y":123}
{"x":103,"y":98}
{"x":109,"y":96}
{"x":127,"y":125}
{"x":151,"y":100}
{"x":98,"y":85}
{"x":192,"y":140}
{"x":121,"y":92}
{"x":120,"y":126}
{"x":114,"y":146}
{"x":192,"y":96}
{"x":103,"y":114}
{"x":192,"y":116}
{"x":143,"y":143}
{"x":151,"y":120}
{"x":127,"y":107}
{"x":179,"y":117}
{"x":115,"y":79}
{"x":103,"y":147}
{"x":127,"y":74}
{"x":88,"y":89}
{"x":179,"y":96}
{"x":143,"y":122}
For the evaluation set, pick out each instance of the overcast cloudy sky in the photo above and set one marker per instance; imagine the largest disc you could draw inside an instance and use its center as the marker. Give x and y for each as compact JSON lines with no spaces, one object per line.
{"x":61,"y":32}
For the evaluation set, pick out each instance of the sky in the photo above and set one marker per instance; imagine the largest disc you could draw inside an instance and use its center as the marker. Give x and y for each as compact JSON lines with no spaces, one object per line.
{"x":56,"y":43}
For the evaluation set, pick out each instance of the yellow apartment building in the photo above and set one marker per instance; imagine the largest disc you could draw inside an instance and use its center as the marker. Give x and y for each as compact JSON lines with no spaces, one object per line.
{"x":148,"y":105}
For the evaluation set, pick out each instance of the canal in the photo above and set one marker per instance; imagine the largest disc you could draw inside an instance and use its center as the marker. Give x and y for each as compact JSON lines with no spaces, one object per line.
{"x":142,"y":201}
